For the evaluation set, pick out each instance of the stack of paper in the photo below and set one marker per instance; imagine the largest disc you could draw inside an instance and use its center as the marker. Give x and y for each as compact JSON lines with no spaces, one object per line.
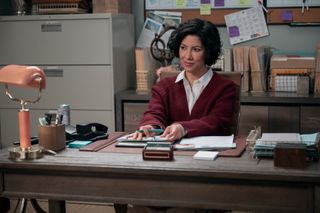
{"x":126,"y":141}
{"x":206,"y":143}
{"x":265,"y":145}
{"x":205,"y":155}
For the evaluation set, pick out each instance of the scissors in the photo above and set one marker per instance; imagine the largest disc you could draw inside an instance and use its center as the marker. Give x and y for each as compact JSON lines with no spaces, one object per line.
{"x":305,"y":3}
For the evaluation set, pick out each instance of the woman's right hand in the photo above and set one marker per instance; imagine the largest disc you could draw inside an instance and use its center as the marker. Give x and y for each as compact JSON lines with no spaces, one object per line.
{"x":142,"y":132}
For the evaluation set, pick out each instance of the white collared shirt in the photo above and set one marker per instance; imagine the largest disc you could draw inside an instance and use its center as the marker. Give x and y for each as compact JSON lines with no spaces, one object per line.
{"x":198,"y":86}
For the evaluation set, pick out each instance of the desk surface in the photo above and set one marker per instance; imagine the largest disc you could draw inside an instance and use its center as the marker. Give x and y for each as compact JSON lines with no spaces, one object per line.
{"x":226,"y":183}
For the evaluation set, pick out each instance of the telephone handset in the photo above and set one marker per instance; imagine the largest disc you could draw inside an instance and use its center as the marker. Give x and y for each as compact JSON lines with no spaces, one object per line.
{"x":86,"y":131}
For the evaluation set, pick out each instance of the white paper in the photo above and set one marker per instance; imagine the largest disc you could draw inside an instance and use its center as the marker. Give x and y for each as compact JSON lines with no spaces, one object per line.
{"x":207,"y":142}
{"x":294,"y":137}
{"x":249,"y":23}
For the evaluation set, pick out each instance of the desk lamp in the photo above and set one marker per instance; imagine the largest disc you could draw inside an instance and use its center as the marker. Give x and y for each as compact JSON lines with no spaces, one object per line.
{"x":23,"y":76}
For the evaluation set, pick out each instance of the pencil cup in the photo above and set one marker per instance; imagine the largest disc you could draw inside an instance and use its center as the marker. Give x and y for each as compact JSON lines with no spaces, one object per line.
{"x":52,"y":137}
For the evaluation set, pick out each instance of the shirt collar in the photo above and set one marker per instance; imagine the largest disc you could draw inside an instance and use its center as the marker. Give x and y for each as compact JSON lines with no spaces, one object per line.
{"x":206,"y":76}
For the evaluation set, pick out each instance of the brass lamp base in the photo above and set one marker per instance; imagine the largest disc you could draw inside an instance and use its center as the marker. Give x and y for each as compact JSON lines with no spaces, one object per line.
{"x":17,"y":153}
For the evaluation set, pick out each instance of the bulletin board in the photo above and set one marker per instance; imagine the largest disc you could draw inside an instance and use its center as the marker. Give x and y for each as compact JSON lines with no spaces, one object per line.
{"x":279,"y":11}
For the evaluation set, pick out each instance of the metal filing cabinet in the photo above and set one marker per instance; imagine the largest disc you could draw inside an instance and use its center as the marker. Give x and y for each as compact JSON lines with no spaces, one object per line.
{"x":87,"y":59}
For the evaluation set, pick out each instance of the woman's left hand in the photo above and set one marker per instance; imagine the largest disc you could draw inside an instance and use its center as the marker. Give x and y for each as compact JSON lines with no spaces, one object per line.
{"x":173,"y":132}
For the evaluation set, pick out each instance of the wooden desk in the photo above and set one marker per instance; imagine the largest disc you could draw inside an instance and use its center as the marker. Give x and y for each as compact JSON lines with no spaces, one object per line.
{"x":226,"y":183}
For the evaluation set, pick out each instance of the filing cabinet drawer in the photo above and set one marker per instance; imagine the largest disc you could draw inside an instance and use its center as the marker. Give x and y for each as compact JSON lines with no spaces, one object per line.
{"x":48,"y":40}
{"x":10,"y":129}
{"x":83,"y":87}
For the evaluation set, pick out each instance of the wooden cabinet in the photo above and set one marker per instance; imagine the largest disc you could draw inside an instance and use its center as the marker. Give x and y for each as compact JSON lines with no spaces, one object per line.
{"x":310,"y":119}
{"x":251,"y":117}
{"x":87,"y":58}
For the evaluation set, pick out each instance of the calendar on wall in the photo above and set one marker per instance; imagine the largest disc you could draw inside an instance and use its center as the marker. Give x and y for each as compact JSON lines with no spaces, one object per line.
{"x":246,"y":25}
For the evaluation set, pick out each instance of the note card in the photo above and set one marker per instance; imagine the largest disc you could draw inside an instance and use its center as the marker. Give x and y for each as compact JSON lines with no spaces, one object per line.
{"x":219,"y":3}
{"x":233,"y":31}
{"x":205,"y":155}
{"x":246,"y":25}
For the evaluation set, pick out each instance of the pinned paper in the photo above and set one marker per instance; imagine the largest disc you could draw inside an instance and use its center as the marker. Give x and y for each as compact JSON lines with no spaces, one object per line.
{"x":243,"y":2}
{"x":246,"y":25}
{"x":219,"y":3}
{"x":234,"y":31}
{"x":205,"y":9}
{"x":287,"y":15}
{"x":181,"y":3}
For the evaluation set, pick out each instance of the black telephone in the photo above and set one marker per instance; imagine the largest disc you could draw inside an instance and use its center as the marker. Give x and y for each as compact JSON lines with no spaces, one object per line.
{"x":86,"y":131}
{"x":82,"y":132}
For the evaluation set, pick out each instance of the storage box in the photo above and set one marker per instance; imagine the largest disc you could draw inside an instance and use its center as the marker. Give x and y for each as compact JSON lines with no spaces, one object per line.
{"x":111,"y":6}
{"x":145,"y":80}
{"x":290,"y":156}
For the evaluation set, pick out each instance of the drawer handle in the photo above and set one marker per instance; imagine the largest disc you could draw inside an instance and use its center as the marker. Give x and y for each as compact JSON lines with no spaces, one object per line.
{"x":51,"y":27}
{"x":53,"y":72}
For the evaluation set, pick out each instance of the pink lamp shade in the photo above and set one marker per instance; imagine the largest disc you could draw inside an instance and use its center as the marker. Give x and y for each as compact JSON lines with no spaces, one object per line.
{"x":24,"y":76}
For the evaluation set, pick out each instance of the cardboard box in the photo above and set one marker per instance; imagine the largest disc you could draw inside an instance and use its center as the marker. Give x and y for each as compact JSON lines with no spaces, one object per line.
{"x":111,"y":6}
{"x":283,"y":61}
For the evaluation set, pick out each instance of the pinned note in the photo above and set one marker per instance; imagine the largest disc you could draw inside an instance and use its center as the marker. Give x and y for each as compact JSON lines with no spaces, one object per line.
{"x":205,"y":7}
{"x":287,"y":16}
{"x":233,"y":31}
{"x":219,"y":3}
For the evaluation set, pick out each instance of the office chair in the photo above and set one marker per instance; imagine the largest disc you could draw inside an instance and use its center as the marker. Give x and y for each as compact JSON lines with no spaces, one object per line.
{"x":236,"y":77}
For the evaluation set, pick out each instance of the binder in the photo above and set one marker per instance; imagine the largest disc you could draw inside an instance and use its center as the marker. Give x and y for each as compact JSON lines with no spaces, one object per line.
{"x":228,"y":60}
{"x":259,"y":67}
{"x":241,"y":64}
{"x":317,"y":72}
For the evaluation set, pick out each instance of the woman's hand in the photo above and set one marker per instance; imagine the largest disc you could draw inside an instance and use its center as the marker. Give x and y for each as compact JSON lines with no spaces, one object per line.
{"x":174,"y":132}
{"x":142,"y":132}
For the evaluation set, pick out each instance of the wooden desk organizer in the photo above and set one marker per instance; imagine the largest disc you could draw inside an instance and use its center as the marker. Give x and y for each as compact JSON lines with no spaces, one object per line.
{"x":52,"y":137}
{"x":290,"y":155}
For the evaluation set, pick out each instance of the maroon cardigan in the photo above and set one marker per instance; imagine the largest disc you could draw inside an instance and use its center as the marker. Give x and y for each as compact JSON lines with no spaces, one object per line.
{"x":212,"y":114}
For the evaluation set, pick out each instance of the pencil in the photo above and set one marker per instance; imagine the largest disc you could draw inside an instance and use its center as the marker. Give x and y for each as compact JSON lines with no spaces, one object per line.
{"x":158,"y":131}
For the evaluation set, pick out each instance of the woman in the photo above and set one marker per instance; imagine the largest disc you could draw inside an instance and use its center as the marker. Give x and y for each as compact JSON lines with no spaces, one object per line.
{"x":195,"y":103}
{"x":198,"y":101}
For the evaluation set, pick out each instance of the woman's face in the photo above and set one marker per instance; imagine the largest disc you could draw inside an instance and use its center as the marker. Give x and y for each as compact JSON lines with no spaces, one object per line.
{"x":191,"y":53}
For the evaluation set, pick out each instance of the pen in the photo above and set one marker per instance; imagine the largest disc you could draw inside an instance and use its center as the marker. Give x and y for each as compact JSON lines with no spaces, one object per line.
{"x":159,"y":131}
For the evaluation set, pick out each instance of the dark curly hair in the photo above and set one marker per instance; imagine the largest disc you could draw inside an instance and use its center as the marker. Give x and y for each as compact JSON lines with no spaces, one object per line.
{"x":208,"y":34}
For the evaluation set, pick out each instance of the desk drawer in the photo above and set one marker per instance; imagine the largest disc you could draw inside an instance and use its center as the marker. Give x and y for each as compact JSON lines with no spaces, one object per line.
{"x":55,"y":41}
{"x":83,"y":87}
